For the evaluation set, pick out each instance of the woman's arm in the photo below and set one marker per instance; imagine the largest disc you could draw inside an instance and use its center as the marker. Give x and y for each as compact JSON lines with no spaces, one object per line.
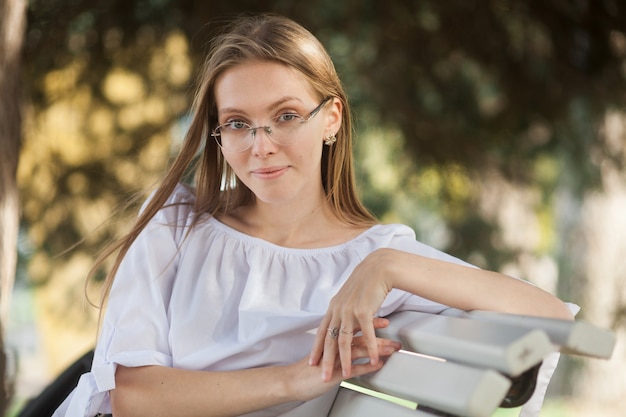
{"x":155,"y":391}
{"x":162,"y":391}
{"x":451,"y":284}
{"x":463,"y":287}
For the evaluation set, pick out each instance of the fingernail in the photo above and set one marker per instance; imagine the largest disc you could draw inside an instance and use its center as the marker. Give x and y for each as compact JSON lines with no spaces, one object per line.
{"x":391,"y":349}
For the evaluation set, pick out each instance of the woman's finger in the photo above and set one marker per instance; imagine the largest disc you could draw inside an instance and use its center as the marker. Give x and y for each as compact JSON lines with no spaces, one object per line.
{"x":318,"y":344}
{"x":329,"y":355}
{"x":385,"y":347}
{"x":335,"y":341}
{"x":344,"y":342}
{"x":368,"y":336}
{"x":378,"y":322}
{"x":347,"y":341}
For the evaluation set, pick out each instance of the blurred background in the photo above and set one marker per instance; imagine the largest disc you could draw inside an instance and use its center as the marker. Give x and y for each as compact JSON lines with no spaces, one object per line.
{"x":495,"y":128}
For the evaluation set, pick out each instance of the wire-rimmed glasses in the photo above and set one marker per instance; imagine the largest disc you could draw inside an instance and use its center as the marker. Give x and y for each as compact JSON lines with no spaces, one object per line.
{"x":238,"y":136}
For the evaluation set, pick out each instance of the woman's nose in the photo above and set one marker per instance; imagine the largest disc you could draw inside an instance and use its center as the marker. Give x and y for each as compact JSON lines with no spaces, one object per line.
{"x":262,"y":143}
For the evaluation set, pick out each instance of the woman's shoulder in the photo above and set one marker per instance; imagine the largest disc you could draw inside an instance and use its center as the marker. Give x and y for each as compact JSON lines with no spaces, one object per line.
{"x":403,"y":237}
{"x":178,"y":209}
{"x":390,"y":231}
{"x":183,"y":194}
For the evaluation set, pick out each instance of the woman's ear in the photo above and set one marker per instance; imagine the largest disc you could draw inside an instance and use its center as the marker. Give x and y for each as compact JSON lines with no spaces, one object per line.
{"x":334,"y":114}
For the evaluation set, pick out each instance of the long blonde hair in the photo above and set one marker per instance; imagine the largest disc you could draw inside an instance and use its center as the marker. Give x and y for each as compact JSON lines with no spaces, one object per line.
{"x":270,"y":38}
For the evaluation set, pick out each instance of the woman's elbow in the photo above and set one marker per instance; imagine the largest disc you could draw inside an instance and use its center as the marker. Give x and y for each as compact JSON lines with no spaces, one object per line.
{"x":117,"y":403}
{"x":124,"y":398}
{"x":553,"y":308}
{"x":562,"y":311}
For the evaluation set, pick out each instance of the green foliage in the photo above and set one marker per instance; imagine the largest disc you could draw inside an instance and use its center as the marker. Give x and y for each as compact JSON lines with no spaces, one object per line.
{"x":473,"y":84}
{"x":452,"y":91}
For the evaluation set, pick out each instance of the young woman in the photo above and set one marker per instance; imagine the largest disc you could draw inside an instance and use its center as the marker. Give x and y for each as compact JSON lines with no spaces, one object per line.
{"x":253,"y":290}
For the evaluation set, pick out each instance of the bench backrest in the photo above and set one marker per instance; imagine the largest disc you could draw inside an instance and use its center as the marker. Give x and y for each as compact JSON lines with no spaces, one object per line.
{"x":465,"y":364}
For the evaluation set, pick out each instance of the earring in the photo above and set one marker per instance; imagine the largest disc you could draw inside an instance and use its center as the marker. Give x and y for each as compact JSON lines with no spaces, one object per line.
{"x":330,"y":140}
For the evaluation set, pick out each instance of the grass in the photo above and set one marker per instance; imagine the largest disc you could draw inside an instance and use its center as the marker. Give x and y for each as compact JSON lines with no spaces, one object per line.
{"x":551,"y":408}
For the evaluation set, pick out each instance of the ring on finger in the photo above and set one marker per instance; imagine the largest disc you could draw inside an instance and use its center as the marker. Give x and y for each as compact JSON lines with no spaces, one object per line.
{"x":343,"y":330}
{"x":333,"y":332}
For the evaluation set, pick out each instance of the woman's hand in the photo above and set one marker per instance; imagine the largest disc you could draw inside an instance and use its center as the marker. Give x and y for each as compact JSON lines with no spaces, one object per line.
{"x":317,"y":379}
{"x":352,"y":311}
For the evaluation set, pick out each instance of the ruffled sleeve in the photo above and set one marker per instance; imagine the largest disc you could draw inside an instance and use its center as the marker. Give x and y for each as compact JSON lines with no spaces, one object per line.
{"x":136,"y":325}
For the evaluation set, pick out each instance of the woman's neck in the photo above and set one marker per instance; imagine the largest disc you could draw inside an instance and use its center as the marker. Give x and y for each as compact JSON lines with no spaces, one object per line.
{"x":313,"y":226}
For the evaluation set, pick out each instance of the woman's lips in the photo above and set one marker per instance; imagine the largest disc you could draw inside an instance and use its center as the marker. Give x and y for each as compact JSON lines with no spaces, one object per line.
{"x":269,"y":173}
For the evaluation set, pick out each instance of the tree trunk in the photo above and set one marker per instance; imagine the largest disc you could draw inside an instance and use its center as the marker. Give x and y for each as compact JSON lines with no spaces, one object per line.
{"x":602,"y":383}
{"x":12,"y":25}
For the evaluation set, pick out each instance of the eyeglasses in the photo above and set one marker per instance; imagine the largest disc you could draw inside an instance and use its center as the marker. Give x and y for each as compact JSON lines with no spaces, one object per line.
{"x":238,"y":136}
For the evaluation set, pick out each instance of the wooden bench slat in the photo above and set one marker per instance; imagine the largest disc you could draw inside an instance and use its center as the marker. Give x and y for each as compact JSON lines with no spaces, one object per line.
{"x":509,"y":349}
{"x":446,"y":386}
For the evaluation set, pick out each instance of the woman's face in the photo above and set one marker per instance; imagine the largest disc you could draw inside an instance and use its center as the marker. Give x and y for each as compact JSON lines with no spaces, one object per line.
{"x":283,"y":166}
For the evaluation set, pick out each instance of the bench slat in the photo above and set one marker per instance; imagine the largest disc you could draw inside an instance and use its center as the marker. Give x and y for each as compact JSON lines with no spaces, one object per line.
{"x":509,"y":349}
{"x":573,"y":337}
{"x":446,"y":386}
{"x":349,"y":403}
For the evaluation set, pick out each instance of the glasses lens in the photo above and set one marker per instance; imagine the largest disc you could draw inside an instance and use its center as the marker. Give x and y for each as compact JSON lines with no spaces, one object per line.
{"x":233,"y":136}
{"x":284,"y":127}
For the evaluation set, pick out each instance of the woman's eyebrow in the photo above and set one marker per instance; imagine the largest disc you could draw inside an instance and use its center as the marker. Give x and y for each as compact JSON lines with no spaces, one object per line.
{"x":282,"y":101}
{"x":272,"y":106}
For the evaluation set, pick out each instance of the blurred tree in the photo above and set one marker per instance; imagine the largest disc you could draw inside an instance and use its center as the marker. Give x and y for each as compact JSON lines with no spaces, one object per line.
{"x":476,"y":83}
{"x":12,"y":25}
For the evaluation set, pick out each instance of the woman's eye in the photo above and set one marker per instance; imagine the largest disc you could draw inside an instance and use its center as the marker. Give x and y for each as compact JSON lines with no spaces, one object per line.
{"x":237,"y":124}
{"x":288,"y":117}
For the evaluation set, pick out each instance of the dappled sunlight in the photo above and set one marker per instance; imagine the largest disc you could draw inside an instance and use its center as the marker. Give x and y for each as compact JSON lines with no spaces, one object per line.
{"x":428,"y":183}
{"x":90,"y":215}
{"x":152,"y":157}
{"x":615,"y":133}
{"x":122,"y":86}
{"x":39,"y":265}
{"x":87,"y":149}
{"x":172,"y":62}
{"x":425,"y":197}
{"x":381,"y":158}
{"x":513,"y":207}
{"x":100,"y":125}
{"x":125,"y":171}
{"x":458,"y":182}
{"x":66,"y":328}
{"x":57,"y":83}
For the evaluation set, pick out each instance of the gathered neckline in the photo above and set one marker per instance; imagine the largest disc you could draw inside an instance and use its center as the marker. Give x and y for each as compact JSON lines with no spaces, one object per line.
{"x":259,"y":241}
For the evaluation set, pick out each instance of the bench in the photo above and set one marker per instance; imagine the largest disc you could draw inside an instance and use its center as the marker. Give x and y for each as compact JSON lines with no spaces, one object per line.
{"x":453,"y":364}
{"x":465,"y":363}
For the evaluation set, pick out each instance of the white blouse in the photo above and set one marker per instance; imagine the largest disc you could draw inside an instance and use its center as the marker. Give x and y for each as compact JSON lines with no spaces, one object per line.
{"x":213,"y":298}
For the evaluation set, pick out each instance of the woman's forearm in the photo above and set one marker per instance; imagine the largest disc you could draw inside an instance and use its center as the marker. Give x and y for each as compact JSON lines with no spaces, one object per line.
{"x":155,"y":391}
{"x":467,"y":288}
